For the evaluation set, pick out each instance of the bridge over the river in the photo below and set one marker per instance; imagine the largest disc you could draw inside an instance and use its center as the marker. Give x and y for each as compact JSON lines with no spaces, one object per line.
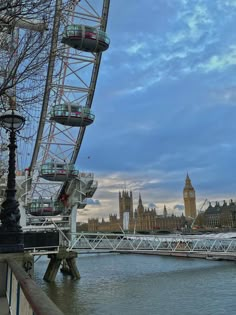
{"x":199,"y":246}
{"x":213,"y":246}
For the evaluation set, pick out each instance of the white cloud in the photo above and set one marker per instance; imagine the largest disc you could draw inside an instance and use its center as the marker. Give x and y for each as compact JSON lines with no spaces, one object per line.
{"x":219,"y":62}
{"x":135,"y":48}
{"x":176,"y":37}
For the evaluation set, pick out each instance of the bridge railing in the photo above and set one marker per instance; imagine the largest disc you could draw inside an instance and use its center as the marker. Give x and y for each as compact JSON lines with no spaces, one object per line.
{"x":24,"y":296}
{"x":131,"y":242}
{"x":42,"y":250}
{"x":47,"y":222}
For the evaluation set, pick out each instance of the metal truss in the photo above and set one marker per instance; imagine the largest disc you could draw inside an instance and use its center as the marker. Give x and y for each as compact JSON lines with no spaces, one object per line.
{"x":71,"y":77}
{"x":47,"y":223}
{"x":209,"y":248}
{"x":60,"y":224}
{"x":138,"y":243}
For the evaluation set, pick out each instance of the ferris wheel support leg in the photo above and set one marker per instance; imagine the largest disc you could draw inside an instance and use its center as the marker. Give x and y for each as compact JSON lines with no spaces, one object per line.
{"x":22,"y":214}
{"x":73,"y":218}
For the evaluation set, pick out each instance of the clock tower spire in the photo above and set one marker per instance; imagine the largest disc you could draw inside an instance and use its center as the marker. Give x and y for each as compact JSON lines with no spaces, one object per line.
{"x":189,"y":199}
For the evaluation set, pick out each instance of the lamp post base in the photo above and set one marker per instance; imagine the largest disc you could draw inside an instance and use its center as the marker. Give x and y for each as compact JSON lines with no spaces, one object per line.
{"x":11,"y":242}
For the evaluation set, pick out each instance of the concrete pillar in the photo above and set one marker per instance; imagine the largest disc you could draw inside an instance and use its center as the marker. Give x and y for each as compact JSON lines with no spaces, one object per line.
{"x":22,"y":215}
{"x":68,"y":262}
{"x":73,"y":219}
{"x":52,"y":268}
{"x":74,"y":272}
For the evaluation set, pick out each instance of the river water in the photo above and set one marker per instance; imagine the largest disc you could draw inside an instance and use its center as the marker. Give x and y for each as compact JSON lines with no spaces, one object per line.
{"x":113,"y":284}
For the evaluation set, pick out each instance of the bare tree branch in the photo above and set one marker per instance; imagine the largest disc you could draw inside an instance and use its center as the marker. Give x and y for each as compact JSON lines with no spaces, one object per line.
{"x":24,"y":46}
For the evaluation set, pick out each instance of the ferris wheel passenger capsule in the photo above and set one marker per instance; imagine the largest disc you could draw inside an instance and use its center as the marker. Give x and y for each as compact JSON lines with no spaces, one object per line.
{"x":85,"y":38}
{"x":44,"y":207}
{"x":57,"y":171}
{"x":72,"y":115}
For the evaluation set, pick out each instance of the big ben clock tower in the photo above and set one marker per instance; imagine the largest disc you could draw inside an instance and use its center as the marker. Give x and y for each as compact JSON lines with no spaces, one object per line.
{"x":189,"y":199}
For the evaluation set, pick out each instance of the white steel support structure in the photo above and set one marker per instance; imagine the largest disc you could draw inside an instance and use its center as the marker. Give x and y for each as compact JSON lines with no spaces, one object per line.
{"x":140,"y":243}
{"x":72,"y":76}
{"x":73,"y":219}
{"x":214,"y":248}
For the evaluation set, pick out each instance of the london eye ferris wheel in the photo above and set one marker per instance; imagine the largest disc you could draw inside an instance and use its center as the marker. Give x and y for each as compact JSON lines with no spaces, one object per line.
{"x":51,"y":52}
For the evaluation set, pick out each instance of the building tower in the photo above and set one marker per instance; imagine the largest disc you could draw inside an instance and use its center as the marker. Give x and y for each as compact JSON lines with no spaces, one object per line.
{"x":165,"y":212}
{"x":140,"y":208}
{"x":125,"y":205}
{"x":189,"y":199}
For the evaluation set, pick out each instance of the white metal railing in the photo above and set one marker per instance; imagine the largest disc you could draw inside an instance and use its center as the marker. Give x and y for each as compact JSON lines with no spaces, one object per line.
{"x":139,"y":243}
{"x":47,"y":223}
{"x":60,"y":224}
{"x":42,"y":250}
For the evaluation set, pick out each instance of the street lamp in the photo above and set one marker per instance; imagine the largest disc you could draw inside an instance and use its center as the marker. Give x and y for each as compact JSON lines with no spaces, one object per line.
{"x":11,"y":236}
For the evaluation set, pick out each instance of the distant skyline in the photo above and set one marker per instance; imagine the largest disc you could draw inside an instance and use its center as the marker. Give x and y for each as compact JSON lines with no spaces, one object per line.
{"x":165,"y":105}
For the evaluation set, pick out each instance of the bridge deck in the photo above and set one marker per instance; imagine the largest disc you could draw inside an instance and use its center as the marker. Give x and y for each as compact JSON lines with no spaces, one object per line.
{"x":209,"y":247}
{"x":216,"y":246}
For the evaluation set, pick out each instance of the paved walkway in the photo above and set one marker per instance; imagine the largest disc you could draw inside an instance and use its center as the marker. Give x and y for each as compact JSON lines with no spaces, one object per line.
{"x":4,"y":309}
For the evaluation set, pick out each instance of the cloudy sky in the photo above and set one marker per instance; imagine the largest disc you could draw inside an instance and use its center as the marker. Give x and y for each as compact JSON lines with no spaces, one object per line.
{"x":165,"y":105}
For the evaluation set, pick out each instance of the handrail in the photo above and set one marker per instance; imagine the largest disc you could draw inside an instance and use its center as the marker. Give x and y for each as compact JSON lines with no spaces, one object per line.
{"x":142,"y":243}
{"x":37,"y":299}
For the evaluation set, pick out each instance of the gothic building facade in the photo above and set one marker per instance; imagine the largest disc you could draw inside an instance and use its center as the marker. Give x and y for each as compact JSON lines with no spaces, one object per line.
{"x":141,"y":219}
{"x":125,"y":208}
{"x":218,"y":216}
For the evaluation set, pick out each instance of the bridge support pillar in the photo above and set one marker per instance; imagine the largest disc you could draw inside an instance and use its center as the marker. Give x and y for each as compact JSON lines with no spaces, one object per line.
{"x":69,"y":267}
{"x":68,"y":261}
{"x":52,"y":268}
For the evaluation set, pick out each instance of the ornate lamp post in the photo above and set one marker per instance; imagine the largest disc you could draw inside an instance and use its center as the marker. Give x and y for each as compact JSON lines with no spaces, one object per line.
{"x":11,"y":236}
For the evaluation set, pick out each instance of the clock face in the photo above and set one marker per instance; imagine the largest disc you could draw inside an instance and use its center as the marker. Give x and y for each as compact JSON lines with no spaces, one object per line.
{"x":191,"y":194}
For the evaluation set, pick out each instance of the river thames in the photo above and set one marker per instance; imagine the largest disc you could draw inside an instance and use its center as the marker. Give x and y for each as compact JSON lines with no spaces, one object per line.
{"x":113,"y":284}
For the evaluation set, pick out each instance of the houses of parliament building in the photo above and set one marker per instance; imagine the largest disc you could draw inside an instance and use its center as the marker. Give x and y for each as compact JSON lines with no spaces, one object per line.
{"x":142,"y":219}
